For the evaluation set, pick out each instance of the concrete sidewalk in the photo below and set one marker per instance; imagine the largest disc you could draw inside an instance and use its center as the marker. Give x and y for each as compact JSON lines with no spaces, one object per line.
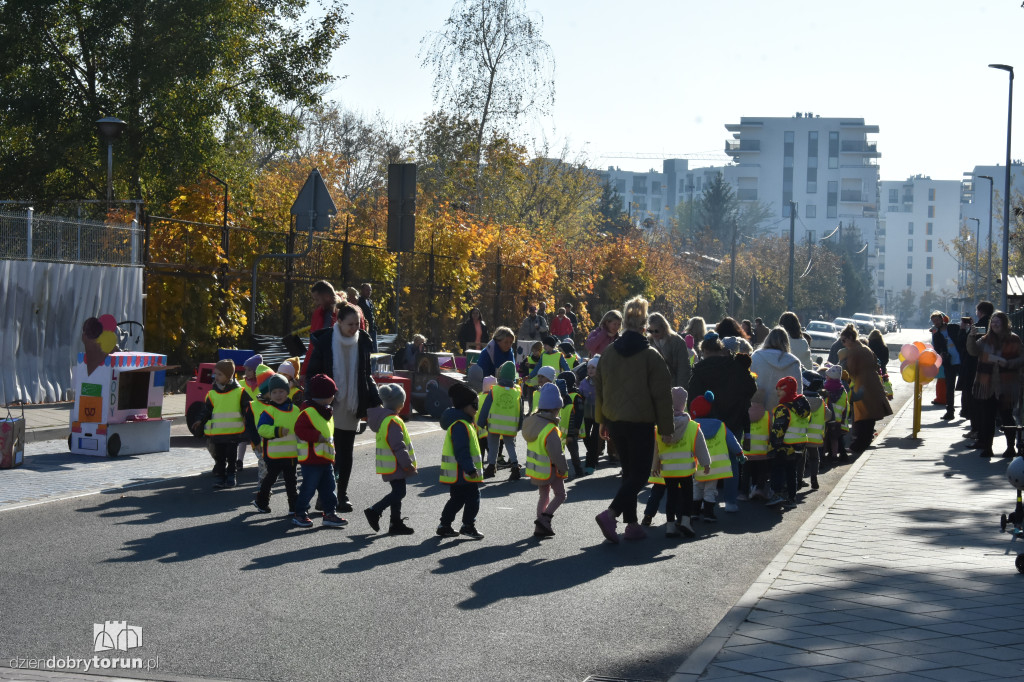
{"x":53,"y":420}
{"x":901,"y":574}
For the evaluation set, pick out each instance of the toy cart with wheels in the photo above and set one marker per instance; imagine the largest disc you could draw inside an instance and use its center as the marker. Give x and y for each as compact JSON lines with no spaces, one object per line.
{"x":1015,"y":474}
{"x":118,"y":408}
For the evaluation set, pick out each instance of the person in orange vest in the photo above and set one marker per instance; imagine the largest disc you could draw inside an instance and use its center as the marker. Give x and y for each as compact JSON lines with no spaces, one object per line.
{"x":545,"y":464}
{"x":222,"y":421}
{"x":395,"y":460}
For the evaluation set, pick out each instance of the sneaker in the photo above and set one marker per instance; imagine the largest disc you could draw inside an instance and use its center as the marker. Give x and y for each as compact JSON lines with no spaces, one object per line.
{"x":302,"y":520}
{"x":334,"y":521}
{"x":814,"y":482}
{"x":222,"y":482}
{"x":647,"y":521}
{"x":502,"y":462}
{"x":589,"y":470}
{"x":373,"y":518}
{"x":731,"y":507}
{"x":262,"y":509}
{"x":947,"y":416}
{"x":489,"y":471}
{"x":683,"y":524}
{"x":399,"y":528}
{"x":607,"y":524}
{"x":230,"y":481}
{"x":515,"y":474}
{"x":986,"y":453}
{"x":634,"y":531}
{"x":756,"y":493}
{"x":446,"y":531}
{"x":345,"y":506}
{"x":672,"y":530}
{"x":708,"y":513}
{"x":775,"y":500}
{"x":789,"y":503}
{"x":972,"y":435}
{"x":741,"y":498}
{"x":471,"y":532}
{"x":801,"y":484}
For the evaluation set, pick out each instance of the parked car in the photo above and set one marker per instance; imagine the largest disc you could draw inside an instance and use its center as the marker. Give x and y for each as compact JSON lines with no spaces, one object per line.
{"x":863,"y":328}
{"x":869,"y":322}
{"x":823,"y":334}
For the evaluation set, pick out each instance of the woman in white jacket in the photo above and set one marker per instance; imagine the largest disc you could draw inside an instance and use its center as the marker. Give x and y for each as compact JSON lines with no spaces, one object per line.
{"x":798,"y":345}
{"x":770,"y":362}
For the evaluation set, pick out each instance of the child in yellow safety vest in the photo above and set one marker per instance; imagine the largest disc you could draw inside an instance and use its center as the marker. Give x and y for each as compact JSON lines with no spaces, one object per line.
{"x":550,"y":357}
{"x":569,"y":354}
{"x":290,"y":369}
{"x":673,"y":467}
{"x":396,"y":459}
{"x":545,"y":463}
{"x":280,"y":445}
{"x":461,"y":464}
{"x":725,"y":453}
{"x":811,"y":462}
{"x":570,"y":418}
{"x":255,"y":375}
{"x":222,"y":421}
{"x":502,"y":415}
{"x":545,"y":375}
{"x":526,"y":370}
{"x":314,"y":433}
{"x":836,"y":406}
{"x":786,"y":440}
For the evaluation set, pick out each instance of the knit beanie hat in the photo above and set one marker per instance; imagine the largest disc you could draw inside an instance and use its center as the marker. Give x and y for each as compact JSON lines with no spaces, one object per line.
{"x":392,"y":396}
{"x":731,"y":344}
{"x":226,"y":367}
{"x":286,"y":368}
{"x":570,"y":380}
{"x":321,"y":387}
{"x":254,"y":362}
{"x":701,"y":405}
{"x":567,"y":348}
{"x":789,"y":386}
{"x":461,"y":396}
{"x":549,"y":340}
{"x":487,"y":384}
{"x":550,"y":398}
{"x":276,"y":381}
{"x":547,"y":372}
{"x":711,"y":336}
{"x":507,"y":372}
{"x":679,"y":398}
{"x":592,"y":362}
{"x":834,"y":372}
{"x":475,"y":377}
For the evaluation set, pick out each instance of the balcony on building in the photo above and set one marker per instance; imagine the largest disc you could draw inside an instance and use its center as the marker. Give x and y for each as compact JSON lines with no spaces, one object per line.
{"x":736,"y":147}
{"x":852,"y":196}
{"x":858,"y":147}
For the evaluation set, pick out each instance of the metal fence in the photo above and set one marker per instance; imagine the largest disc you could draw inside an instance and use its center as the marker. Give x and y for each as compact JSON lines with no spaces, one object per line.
{"x":25,"y":235}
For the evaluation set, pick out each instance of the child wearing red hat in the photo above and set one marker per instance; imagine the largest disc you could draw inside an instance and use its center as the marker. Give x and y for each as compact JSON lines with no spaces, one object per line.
{"x":723,"y":448}
{"x":786,"y":440}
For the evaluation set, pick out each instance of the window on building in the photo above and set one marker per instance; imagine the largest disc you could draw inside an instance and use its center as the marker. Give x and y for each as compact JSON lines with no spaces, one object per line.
{"x":910,"y":245}
{"x":910,"y":262}
{"x":910,"y":280}
{"x":812,"y":147}
{"x":639,"y":184}
{"x":655,"y":187}
{"x":910,"y":228}
{"x":928,"y":245}
{"x":928,"y":280}
{"x":928,"y":263}
{"x":812,"y":180}
{"x":620,"y":186}
{"x":894,"y":196}
{"x":931,"y":194}
{"x":833,"y":150}
{"x":810,"y":211}
{"x":881,"y":280}
{"x":881,"y":264}
{"x":811,"y":236}
{"x":928,"y":228}
{"x":832,"y":205}
{"x":931,"y":211}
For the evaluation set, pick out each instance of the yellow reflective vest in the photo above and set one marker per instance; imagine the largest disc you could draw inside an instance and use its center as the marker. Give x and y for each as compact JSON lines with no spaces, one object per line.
{"x":796,"y":432}
{"x":718,"y":448}
{"x":564,"y":415}
{"x":326,"y":428}
{"x":552,"y":360}
{"x":758,"y":448}
{"x":538,"y":464}
{"x":678,"y":459}
{"x":282,"y":447}
{"x":506,"y":406}
{"x":226,"y":408}
{"x":450,"y":465}
{"x":387,"y":463}
{"x":816,"y":422}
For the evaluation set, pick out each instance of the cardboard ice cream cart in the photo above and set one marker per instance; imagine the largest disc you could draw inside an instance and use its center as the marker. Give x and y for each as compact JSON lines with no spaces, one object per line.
{"x":118,"y":407}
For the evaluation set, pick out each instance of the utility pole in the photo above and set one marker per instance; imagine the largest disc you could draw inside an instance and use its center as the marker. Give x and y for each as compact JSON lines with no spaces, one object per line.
{"x":792,"y":237}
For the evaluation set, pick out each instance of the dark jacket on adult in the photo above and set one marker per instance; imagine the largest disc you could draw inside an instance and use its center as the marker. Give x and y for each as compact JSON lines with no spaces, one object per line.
{"x":370,"y":315}
{"x":321,"y":361}
{"x":492,"y":358}
{"x":732,"y":385}
{"x":968,"y":363}
{"x":467,"y":334}
{"x":942,"y":347}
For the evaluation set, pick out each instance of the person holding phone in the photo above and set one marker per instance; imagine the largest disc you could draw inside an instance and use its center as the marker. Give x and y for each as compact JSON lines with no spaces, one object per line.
{"x":996,"y":382}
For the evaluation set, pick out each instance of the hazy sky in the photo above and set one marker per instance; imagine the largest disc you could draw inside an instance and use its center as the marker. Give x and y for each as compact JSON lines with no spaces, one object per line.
{"x":665,"y":76}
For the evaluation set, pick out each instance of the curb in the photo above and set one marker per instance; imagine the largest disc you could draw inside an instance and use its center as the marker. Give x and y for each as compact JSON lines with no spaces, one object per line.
{"x":697,"y":662}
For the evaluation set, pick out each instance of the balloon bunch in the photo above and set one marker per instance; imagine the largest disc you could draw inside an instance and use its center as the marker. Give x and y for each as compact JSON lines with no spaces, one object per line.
{"x":919,"y":360}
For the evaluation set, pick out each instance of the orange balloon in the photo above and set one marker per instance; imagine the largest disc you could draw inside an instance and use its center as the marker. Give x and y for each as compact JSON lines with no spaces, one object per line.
{"x":921,"y":347}
{"x":928,"y":358}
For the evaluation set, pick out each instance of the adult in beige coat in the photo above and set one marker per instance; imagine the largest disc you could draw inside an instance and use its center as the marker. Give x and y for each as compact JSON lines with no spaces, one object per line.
{"x":866,"y":391}
{"x":633,"y":394}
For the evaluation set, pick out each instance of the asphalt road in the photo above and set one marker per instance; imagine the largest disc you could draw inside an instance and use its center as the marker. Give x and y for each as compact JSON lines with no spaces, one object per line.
{"x":222,"y":592}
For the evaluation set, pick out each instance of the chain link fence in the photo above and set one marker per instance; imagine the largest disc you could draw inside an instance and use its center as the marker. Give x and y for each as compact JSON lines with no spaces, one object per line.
{"x":26,"y":235}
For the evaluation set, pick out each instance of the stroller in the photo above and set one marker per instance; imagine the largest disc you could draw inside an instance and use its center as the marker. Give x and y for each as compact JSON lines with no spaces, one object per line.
{"x":1015,"y":474}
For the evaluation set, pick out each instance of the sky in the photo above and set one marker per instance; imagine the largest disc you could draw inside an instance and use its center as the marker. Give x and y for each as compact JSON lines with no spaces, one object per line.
{"x":663,"y":77}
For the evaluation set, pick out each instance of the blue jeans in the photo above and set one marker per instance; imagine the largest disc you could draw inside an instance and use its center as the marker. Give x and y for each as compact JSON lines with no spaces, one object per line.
{"x":492,"y":448}
{"x":317,"y":478}
{"x":731,"y":485}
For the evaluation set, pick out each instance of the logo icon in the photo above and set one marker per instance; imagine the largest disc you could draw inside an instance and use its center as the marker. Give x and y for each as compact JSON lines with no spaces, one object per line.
{"x":116,"y":635}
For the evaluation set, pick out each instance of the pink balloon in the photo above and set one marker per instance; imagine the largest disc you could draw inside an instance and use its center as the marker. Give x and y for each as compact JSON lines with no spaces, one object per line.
{"x":929,"y":372}
{"x":910,"y":352}
{"x":109,"y":322}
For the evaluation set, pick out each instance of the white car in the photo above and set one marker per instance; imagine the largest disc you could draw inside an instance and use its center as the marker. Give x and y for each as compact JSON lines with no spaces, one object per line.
{"x":823,"y":334}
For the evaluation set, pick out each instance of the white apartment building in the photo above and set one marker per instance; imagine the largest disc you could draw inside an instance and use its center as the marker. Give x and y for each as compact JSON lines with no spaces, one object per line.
{"x":919,"y":216}
{"x":979,"y":197}
{"x":826,"y":165}
{"x":655,"y":194}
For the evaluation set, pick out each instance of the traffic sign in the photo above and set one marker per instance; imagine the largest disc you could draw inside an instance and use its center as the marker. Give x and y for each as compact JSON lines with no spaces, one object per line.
{"x":313,"y":207}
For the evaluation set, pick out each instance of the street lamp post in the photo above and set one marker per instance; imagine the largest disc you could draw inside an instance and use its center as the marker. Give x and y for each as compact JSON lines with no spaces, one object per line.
{"x":1006,"y":188}
{"x":110,"y":129}
{"x":977,"y":247}
{"x":991,"y":197}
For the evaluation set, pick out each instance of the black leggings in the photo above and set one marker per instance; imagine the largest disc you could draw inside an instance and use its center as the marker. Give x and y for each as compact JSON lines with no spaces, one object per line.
{"x":634,"y":441}
{"x":344,"y":443}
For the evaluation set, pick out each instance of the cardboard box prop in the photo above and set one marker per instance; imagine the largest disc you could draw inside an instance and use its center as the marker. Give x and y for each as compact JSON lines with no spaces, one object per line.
{"x":12,"y":440}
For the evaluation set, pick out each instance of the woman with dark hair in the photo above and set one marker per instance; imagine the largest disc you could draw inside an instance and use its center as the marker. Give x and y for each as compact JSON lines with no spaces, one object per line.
{"x":877,"y":345}
{"x":798,"y":345}
{"x":473,"y":333}
{"x":730,"y":327}
{"x":342,"y":352}
{"x":996,"y":381}
{"x":866,"y":391}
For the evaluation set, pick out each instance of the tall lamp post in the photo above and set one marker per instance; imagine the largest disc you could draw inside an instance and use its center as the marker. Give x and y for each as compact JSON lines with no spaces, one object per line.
{"x":110,"y":129}
{"x":977,"y":247}
{"x":991,"y":197}
{"x":1006,"y":189}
